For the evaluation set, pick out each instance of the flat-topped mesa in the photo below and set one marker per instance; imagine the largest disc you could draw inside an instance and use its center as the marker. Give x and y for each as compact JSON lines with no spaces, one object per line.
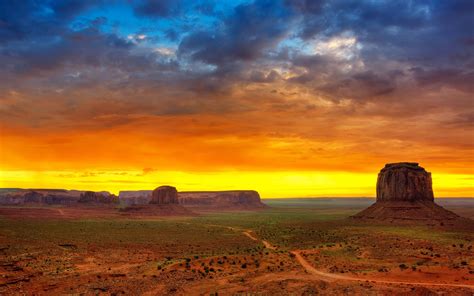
{"x":404,"y":193}
{"x":164,"y":195}
{"x":221,"y":199}
{"x":404,"y":181}
{"x":97,"y":197}
{"x":18,"y":196}
{"x":238,"y":199}
{"x":137,"y":197}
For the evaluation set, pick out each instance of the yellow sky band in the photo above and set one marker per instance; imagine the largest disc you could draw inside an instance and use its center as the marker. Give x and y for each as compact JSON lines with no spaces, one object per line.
{"x":269,"y":184}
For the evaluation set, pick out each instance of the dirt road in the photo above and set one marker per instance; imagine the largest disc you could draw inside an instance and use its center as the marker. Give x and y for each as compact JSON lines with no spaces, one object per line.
{"x":332,"y":277}
{"x":329,"y":277}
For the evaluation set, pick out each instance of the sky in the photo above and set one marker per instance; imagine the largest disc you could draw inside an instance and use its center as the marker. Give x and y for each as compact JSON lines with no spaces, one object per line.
{"x":293,"y":98}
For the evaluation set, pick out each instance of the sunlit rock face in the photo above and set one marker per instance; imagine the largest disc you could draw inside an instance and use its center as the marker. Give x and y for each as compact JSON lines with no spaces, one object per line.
{"x":404,"y":181}
{"x":404,"y":193}
{"x":164,"y":195}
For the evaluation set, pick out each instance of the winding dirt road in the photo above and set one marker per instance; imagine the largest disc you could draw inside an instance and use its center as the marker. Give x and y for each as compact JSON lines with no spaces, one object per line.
{"x":249,"y":235}
{"x":267,"y":245}
{"x":332,"y":277}
{"x":329,"y":277}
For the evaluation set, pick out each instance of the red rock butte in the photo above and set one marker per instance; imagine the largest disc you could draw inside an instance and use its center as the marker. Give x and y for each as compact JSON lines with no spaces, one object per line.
{"x":404,"y":181}
{"x":404,"y":192}
{"x":164,"y":195}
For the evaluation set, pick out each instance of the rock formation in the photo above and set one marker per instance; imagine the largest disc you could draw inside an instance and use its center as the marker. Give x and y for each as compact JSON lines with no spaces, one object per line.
{"x":97,"y":197}
{"x":237,"y":199}
{"x":404,"y":192}
{"x":137,"y":197}
{"x":163,"y":201}
{"x":404,"y":181}
{"x":164,"y":195}
{"x":17,"y":196}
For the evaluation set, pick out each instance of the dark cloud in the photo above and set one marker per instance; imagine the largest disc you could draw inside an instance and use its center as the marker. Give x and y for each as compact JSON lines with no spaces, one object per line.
{"x":361,"y":86}
{"x":205,"y":53}
{"x":262,"y":77}
{"x":31,"y":18}
{"x":456,"y":78}
{"x":243,"y":36}
{"x":461,"y":120}
{"x":83,"y":48}
{"x":161,"y":8}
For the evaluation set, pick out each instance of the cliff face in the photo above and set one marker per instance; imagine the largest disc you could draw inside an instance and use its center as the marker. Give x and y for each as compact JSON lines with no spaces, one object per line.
{"x":97,"y":197}
{"x":404,"y":193}
{"x":138,"y":197}
{"x":164,"y":195}
{"x":227,"y":199}
{"x":53,"y":196}
{"x":205,"y":199}
{"x":405,"y":181}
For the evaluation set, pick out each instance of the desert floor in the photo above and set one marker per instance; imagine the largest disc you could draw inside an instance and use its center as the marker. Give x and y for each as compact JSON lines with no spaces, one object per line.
{"x":293,"y":247}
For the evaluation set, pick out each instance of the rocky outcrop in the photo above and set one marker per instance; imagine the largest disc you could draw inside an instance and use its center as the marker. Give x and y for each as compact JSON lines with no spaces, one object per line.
{"x":237,"y":199}
{"x":221,"y":199}
{"x":164,"y":195}
{"x":404,"y":192}
{"x":97,"y":197}
{"x":404,"y":181}
{"x":39,"y":196}
{"x":17,"y":196}
{"x":163,"y":201}
{"x":137,"y":197}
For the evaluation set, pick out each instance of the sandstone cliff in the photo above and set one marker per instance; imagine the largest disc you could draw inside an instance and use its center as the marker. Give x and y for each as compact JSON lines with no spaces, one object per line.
{"x":164,"y":195}
{"x":17,"y":196}
{"x":405,"y":181}
{"x":404,"y":192}
{"x":221,"y":199}
{"x":97,"y":197}
{"x":137,"y":197}
{"x":238,"y":199}
{"x":163,"y":201}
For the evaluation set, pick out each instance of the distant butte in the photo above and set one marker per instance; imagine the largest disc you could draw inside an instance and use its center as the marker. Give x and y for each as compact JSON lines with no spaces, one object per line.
{"x":404,"y":192}
{"x":163,"y":201}
{"x":164,"y":195}
{"x":230,"y":199}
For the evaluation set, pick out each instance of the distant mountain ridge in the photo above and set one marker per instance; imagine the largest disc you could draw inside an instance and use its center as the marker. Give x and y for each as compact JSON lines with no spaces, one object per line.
{"x":227,"y":199}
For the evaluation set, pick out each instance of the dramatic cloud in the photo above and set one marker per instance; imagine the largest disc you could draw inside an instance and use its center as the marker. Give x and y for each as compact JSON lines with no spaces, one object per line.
{"x":162,"y":8}
{"x":260,"y":84}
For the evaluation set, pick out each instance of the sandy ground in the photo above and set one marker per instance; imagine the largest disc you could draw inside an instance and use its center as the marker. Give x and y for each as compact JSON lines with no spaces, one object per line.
{"x":270,"y":268}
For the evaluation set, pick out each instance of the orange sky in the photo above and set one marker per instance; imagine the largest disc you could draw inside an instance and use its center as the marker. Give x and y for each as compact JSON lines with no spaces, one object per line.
{"x":215,"y":153}
{"x":290,"y":98}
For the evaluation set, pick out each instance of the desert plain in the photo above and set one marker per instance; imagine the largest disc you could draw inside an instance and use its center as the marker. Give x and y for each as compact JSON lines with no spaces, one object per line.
{"x":289,"y":246}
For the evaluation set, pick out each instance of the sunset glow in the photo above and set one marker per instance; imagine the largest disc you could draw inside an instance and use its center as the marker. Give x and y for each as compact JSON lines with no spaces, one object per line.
{"x":283,"y":97}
